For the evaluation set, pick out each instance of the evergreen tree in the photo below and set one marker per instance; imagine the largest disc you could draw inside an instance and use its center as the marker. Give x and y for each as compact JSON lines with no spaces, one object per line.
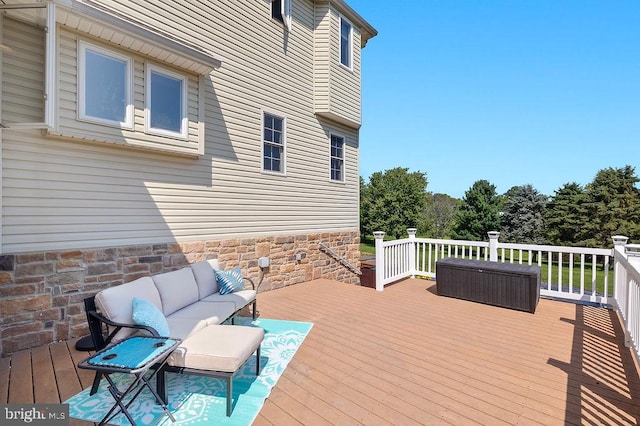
{"x":565,"y":215}
{"x":365,"y":208}
{"x":523,"y":216}
{"x":392,"y":201}
{"x":612,"y":206}
{"x":478,"y":214}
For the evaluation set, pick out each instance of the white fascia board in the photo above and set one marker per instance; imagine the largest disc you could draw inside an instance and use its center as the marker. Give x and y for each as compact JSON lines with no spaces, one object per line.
{"x":94,"y":20}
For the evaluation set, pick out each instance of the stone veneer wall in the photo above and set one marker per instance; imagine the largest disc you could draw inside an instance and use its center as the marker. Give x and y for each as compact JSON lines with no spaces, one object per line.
{"x":41,"y":294}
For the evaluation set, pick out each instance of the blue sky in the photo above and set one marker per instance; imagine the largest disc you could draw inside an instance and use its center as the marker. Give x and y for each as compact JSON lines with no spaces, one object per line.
{"x":539,"y":92}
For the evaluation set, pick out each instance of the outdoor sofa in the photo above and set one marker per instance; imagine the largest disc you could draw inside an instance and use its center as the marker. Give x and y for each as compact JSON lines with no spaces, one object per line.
{"x":186,"y":304}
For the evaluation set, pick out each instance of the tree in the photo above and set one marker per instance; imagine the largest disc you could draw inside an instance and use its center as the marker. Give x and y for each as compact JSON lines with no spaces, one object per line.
{"x":479,"y":213}
{"x":565,"y":215}
{"x":523,"y":216}
{"x":439,"y":213}
{"x":392,"y":201}
{"x":612,"y":207}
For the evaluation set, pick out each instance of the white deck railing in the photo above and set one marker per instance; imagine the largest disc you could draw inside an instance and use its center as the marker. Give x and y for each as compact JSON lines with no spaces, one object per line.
{"x":626,"y":300}
{"x":603,"y":276}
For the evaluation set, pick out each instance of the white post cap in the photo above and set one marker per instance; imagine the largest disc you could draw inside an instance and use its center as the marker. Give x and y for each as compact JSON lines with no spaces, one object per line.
{"x":619,"y":240}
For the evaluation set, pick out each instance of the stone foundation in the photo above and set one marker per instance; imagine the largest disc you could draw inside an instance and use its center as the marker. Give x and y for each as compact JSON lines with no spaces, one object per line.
{"x":41,"y":294}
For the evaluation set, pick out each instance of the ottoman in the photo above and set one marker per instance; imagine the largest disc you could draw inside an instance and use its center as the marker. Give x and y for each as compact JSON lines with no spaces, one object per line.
{"x":217,"y":351}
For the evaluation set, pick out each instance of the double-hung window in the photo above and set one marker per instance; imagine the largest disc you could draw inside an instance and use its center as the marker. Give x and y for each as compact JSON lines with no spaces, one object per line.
{"x":104,"y":86}
{"x":346,"y":45}
{"x":166,"y":102}
{"x":337,"y":158}
{"x":273,"y":143}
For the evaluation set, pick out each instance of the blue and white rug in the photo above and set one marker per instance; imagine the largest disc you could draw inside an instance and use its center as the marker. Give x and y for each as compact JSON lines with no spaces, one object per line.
{"x":199,"y":400}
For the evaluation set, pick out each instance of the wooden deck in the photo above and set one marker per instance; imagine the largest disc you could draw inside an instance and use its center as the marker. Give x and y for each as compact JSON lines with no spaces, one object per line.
{"x":406,"y":356}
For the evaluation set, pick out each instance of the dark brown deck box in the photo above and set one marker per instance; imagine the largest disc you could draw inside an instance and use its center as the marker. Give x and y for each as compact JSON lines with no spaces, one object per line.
{"x":501,"y":284}
{"x":368,"y":277}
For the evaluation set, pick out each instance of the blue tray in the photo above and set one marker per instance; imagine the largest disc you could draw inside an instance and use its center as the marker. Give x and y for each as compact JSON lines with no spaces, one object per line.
{"x":132,"y":353}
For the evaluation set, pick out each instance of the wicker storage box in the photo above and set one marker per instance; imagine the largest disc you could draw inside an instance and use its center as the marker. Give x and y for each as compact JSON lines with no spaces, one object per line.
{"x":500,"y":284}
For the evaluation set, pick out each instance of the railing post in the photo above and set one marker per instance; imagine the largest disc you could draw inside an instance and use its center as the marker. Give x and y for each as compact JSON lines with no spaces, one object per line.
{"x":493,"y":245}
{"x":632,"y":252}
{"x":412,"y":251}
{"x":619,"y":278}
{"x":379,"y":236}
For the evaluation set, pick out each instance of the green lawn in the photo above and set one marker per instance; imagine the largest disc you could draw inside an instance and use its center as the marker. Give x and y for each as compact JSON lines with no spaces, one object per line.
{"x":367,"y":246}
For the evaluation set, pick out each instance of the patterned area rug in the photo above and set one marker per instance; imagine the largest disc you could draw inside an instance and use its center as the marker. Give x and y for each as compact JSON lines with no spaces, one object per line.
{"x":198,"y":400}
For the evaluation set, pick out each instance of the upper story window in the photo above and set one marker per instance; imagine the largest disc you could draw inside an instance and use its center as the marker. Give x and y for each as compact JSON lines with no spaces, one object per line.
{"x":337,"y":158}
{"x":166,"y":102}
{"x":346,"y":44}
{"x":273,"y":143}
{"x":281,"y":11}
{"x":104,"y":86}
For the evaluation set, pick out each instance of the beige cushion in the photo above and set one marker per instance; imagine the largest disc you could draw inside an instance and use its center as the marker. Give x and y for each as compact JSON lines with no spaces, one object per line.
{"x":210,"y":313}
{"x":240,"y":298}
{"x":115,"y":303}
{"x":205,"y":278}
{"x":177,"y":289}
{"x":181,"y":328}
{"x":218,"y":348}
{"x":214,"y":263}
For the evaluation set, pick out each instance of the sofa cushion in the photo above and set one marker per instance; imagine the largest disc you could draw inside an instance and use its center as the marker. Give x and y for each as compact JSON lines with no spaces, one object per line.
{"x":210,"y":313}
{"x":205,"y":278}
{"x":146,"y":313}
{"x":240,"y":298}
{"x":116,"y":303}
{"x":181,"y":328}
{"x":218,"y":348}
{"x":230,"y":281}
{"x":177,"y":289}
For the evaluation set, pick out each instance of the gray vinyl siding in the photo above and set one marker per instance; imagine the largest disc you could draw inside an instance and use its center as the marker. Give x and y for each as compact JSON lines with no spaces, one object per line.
{"x":22,"y":72}
{"x":345,"y":84}
{"x":63,"y":193}
{"x":337,"y":89}
{"x":322,"y":58}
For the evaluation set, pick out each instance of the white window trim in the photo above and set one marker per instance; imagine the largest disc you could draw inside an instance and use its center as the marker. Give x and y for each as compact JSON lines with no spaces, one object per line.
{"x":285,"y":13}
{"x":350,"y":67}
{"x":284,"y":143}
{"x":184,"y":121}
{"x":344,"y":157}
{"x":285,"y":9}
{"x":82,"y":116}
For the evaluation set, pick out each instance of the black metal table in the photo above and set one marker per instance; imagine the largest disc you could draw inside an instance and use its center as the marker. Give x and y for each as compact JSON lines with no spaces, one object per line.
{"x":134,"y":355}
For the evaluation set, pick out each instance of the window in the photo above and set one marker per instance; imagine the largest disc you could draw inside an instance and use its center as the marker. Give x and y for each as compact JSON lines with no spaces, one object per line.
{"x":281,"y":11}
{"x":166,"y":102}
{"x":346,"y":36}
{"x":273,"y":144}
{"x":337,"y":158}
{"x":104,"y":86}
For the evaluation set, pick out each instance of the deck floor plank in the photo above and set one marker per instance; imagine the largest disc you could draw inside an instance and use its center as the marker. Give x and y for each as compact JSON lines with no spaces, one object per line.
{"x":85,"y":376}
{"x":21,"y":378}
{"x":44,"y":378}
{"x":5,"y":364}
{"x":408,"y":356}
{"x":68,"y":381}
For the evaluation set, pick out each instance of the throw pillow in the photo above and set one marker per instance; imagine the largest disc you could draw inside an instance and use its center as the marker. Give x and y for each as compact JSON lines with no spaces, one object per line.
{"x":146,"y":313}
{"x":230,"y":281}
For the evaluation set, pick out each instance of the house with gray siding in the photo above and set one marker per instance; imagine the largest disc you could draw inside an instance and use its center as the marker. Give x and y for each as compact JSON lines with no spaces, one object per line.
{"x":138,"y":136}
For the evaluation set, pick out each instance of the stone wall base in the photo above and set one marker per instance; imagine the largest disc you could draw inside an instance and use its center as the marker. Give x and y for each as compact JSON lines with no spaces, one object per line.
{"x":41,"y":294}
